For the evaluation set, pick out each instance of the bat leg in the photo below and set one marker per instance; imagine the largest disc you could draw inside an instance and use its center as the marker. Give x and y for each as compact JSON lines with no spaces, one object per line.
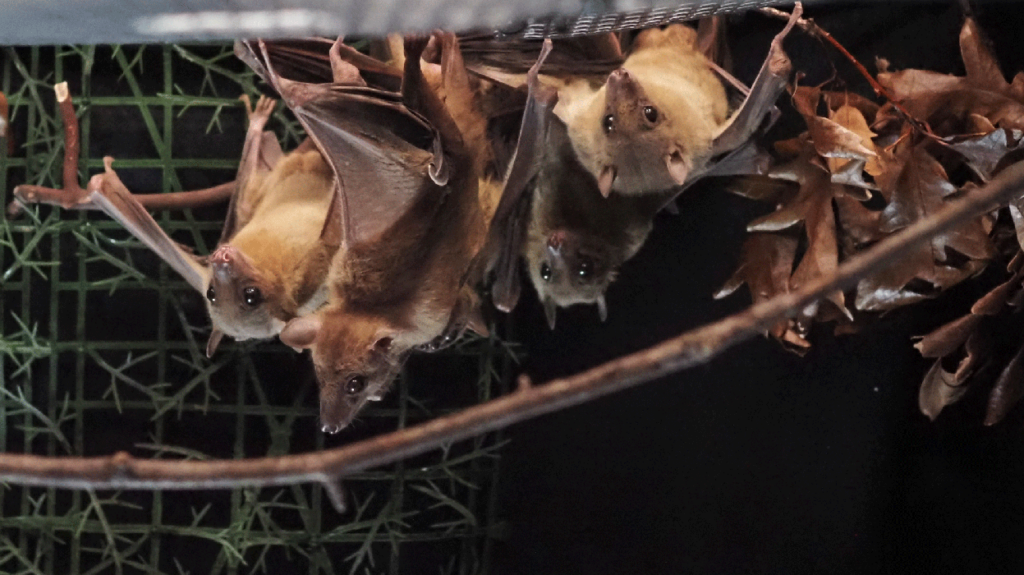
{"x":259,"y":153}
{"x":254,"y":158}
{"x":770,"y":82}
{"x":343,"y":72}
{"x":418,"y":96}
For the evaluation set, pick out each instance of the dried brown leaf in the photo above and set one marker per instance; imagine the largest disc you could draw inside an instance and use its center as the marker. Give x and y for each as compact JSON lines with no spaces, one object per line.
{"x":853,"y":119}
{"x":947,"y":102}
{"x":981,"y":65}
{"x":837,"y":100}
{"x":948,"y":338}
{"x":984,"y":153}
{"x":766,"y":263}
{"x":858,"y":224}
{"x":917,"y":186}
{"x":1008,"y":390}
{"x":938,"y":390}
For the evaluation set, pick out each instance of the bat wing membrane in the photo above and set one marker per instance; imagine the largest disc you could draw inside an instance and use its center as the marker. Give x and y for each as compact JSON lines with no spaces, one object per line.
{"x":383,"y":154}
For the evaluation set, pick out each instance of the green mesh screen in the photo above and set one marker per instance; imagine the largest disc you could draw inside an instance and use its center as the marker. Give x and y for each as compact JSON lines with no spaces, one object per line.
{"x":102,"y":350}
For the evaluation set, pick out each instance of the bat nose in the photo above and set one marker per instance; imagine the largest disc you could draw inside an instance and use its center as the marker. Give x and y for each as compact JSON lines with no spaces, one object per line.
{"x":555,"y":242}
{"x":621,"y":84}
{"x":223,"y":255}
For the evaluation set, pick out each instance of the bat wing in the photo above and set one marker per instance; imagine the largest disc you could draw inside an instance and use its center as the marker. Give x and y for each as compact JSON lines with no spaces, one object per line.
{"x":760,"y":101}
{"x":506,"y":61}
{"x":384,"y":155}
{"x":109,"y":194}
{"x":507,"y":232}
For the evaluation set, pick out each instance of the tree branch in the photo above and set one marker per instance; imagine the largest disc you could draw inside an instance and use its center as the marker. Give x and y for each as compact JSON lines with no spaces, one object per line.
{"x":122,"y":471}
{"x":812,"y":29}
{"x":73,"y":197}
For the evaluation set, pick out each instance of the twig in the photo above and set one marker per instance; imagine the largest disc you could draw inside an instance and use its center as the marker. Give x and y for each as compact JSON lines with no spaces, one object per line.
{"x":122,"y":471}
{"x":811,"y":28}
{"x":73,"y":197}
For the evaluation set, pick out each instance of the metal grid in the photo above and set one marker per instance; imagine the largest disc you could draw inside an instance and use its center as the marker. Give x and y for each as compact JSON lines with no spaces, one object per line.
{"x":101,"y":350}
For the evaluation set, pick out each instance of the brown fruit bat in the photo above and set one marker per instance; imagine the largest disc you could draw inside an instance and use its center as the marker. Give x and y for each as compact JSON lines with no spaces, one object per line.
{"x":270,"y":264}
{"x":407,"y":213}
{"x":658,"y":121}
{"x":551,"y":213}
{"x":576,"y":239}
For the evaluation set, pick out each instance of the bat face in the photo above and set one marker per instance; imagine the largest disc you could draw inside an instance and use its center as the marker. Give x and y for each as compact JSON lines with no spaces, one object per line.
{"x":354,"y":358}
{"x":651,"y":137}
{"x":240,"y":300}
{"x":569,"y":268}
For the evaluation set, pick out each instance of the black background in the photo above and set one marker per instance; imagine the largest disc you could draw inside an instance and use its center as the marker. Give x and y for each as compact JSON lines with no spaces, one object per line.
{"x":764,"y":462}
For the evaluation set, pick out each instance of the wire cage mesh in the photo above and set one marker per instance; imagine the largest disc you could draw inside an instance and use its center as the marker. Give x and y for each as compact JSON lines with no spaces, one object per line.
{"x":102,"y":350}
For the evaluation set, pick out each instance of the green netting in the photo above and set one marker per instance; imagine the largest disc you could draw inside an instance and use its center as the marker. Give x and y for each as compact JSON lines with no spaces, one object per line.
{"x":102,"y":350}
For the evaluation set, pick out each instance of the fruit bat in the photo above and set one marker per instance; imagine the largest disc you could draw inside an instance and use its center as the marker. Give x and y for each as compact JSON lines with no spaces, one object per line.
{"x":406,"y":211}
{"x":658,"y":121}
{"x":552,"y":214}
{"x":270,"y":263}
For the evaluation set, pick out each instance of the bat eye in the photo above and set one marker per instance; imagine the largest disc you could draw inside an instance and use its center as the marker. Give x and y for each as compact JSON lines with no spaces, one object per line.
{"x":608,"y":123}
{"x":586,"y":267}
{"x":355,"y":385}
{"x":651,"y":113}
{"x":211,"y":295}
{"x":545,"y":272}
{"x":253,"y":296}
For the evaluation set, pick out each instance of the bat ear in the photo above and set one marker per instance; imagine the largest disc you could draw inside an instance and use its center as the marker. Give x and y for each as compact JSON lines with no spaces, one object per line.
{"x":550,"y":309}
{"x":602,"y":308}
{"x":301,"y":332}
{"x":677,"y":167}
{"x":606,"y":180}
{"x":211,"y":344}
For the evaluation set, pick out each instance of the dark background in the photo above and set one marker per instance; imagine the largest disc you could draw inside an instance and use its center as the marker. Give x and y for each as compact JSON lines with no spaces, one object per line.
{"x":764,"y":462}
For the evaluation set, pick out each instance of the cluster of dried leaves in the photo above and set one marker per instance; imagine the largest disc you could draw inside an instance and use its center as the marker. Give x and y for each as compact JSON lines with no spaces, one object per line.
{"x":864,"y":171}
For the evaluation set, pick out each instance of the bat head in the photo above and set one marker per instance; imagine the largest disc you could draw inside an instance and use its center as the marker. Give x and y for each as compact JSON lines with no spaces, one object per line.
{"x":355,"y":359}
{"x":646,"y":136}
{"x":240,"y":299}
{"x":569,"y":268}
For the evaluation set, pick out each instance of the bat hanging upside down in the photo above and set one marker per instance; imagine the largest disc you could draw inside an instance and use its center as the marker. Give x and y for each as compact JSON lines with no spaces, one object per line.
{"x":407,"y":210}
{"x":270,"y":264}
{"x":632,"y":131}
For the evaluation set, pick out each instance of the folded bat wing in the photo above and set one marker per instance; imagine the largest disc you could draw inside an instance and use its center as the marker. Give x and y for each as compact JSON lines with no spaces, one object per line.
{"x":384,"y":154}
{"x":507,"y":232}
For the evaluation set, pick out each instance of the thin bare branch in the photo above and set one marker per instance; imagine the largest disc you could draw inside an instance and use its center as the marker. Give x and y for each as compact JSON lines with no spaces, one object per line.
{"x":73,"y":197}
{"x":812,"y":29}
{"x":122,"y":471}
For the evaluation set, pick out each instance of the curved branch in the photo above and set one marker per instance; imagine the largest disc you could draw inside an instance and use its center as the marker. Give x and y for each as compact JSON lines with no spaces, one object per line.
{"x":122,"y":471}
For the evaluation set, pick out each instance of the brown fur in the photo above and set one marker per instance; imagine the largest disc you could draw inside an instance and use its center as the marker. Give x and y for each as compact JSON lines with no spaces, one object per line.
{"x":398,"y":291}
{"x":677,"y":82}
{"x":280,"y":246}
{"x":607,"y":231}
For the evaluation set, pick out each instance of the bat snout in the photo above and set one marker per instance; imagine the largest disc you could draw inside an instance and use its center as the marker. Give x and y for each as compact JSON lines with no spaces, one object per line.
{"x":555,"y":242}
{"x":332,"y":419}
{"x":223,"y":256}
{"x":622,"y":86}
